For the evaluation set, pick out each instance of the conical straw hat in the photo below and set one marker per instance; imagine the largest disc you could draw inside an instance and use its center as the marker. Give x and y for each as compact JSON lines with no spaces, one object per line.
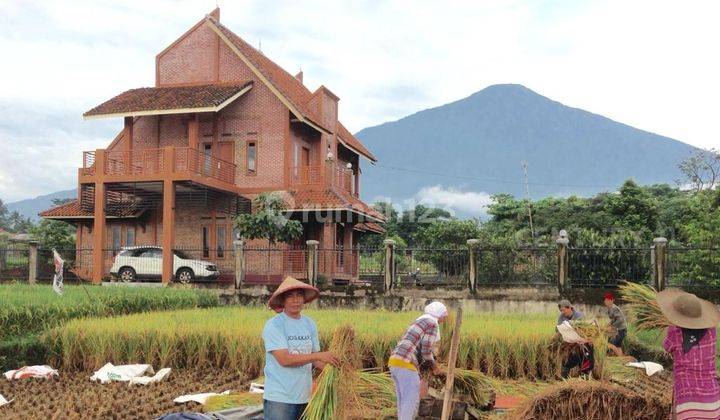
{"x":687,"y":310}
{"x":289,"y":283}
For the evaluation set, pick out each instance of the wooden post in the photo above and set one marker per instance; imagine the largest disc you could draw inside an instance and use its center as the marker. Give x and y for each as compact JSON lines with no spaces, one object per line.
{"x":168,"y":223}
{"x":450,"y":378}
{"x":99,"y":227}
{"x":389,"y":264}
{"x":239,"y":246}
{"x":660,"y":263}
{"x":472,"y":256}
{"x":33,"y":262}
{"x":562,"y":263}
{"x":312,"y":261}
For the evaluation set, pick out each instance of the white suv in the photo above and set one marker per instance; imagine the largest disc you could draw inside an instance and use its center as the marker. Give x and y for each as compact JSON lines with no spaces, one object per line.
{"x":135,"y":262}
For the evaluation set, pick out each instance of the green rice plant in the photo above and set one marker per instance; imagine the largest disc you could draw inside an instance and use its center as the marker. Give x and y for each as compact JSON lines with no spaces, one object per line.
{"x":27,"y":309}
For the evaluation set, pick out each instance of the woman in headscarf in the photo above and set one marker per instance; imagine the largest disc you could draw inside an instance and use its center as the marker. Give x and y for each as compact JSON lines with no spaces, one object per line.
{"x":691,"y":341}
{"x":415,"y":348}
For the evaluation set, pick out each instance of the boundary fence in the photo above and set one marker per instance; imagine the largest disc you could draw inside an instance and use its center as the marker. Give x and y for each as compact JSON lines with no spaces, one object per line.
{"x":471,"y":266}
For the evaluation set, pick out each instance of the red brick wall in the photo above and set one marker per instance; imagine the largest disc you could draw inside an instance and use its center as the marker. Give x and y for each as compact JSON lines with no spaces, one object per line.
{"x":192,"y":60}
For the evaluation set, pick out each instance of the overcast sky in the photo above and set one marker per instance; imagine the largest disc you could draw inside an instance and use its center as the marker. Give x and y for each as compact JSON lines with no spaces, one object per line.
{"x":650,"y":64}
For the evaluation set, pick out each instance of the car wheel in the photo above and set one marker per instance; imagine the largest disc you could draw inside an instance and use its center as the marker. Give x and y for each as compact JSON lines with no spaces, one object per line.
{"x":184,"y":275}
{"x":127,"y":275}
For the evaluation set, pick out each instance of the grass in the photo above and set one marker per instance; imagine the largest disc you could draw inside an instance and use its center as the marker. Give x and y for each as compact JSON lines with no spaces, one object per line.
{"x":231,"y":337}
{"x":30,"y":309}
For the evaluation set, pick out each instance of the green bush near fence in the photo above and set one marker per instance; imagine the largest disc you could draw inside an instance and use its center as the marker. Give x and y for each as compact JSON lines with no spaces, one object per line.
{"x":30,"y":309}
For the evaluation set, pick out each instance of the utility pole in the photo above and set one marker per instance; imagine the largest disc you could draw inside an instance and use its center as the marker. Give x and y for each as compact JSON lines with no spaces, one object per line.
{"x":527,"y":197}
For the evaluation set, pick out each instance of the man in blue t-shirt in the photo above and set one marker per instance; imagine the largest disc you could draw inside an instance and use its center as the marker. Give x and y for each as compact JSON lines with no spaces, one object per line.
{"x":292,"y":349}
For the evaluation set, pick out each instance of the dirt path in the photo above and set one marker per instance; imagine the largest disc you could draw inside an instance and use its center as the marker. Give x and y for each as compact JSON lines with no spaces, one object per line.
{"x":74,"y":396}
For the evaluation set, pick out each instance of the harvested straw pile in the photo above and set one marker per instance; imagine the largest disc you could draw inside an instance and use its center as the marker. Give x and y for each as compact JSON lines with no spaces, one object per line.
{"x":642,"y":306}
{"x":581,"y":399}
{"x":222,"y":402}
{"x":658,"y":386}
{"x":474,"y":386}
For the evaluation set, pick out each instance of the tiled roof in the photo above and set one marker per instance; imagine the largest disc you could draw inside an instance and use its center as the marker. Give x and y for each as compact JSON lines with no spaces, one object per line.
{"x":167,"y":98}
{"x":369,"y":226}
{"x":328,"y":199}
{"x":73,"y":210}
{"x":353,"y":142}
{"x":291,"y":88}
{"x":68,"y":210}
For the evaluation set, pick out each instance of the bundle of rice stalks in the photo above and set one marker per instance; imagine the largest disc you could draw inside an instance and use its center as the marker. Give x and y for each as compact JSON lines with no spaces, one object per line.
{"x":335,"y":394}
{"x":581,"y":399}
{"x":642,"y":306}
{"x":473,"y":384}
{"x":376,"y":392}
{"x":222,"y":402}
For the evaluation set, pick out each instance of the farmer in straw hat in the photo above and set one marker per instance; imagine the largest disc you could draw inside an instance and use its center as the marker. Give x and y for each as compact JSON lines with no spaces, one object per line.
{"x":414,"y":348}
{"x":291,"y":350}
{"x":691,"y":342}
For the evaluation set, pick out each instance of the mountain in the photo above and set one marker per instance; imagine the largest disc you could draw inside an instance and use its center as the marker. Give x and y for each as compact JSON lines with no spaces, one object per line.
{"x":32,"y":206}
{"x":478,"y":144}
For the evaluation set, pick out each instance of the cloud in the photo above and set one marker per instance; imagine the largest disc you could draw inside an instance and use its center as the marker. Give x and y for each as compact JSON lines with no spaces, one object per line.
{"x":644,"y":63}
{"x":467,"y":202}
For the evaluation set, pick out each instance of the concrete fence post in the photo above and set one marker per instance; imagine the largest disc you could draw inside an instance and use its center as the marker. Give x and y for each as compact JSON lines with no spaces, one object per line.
{"x":472,"y":266}
{"x":563,"y":263}
{"x":389,"y":263}
{"x":32,"y":262}
{"x":312,"y":261}
{"x":239,"y":246}
{"x":660,"y":265}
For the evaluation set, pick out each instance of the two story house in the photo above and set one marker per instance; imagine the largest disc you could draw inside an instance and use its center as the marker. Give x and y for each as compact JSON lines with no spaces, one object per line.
{"x":222,"y":124}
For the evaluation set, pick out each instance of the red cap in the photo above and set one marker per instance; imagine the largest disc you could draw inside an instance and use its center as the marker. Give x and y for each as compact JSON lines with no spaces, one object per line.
{"x":609,"y":295}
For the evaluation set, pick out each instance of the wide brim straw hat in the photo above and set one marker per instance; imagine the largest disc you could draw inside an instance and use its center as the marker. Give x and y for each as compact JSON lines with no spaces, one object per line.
{"x":687,"y":310}
{"x":289,"y":283}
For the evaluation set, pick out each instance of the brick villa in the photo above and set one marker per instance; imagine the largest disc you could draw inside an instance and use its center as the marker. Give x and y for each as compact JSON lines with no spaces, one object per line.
{"x":222,"y":124}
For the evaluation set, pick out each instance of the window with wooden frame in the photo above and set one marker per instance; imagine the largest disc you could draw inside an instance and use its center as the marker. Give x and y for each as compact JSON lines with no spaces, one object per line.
{"x":205,"y":242}
{"x":221,"y":237}
{"x":116,"y":239}
{"x":130,"y":235}
{"x":251,"y":157}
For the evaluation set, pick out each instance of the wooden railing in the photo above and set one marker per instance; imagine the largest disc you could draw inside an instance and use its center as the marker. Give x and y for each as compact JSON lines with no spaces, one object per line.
{"x":155,"y":162}
{"x":305,"y":175}
{"x":343,"y":178}
{"x":193,"y":161}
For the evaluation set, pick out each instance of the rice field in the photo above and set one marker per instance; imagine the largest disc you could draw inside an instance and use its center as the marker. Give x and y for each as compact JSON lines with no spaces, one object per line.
{"x":504,"y":346}
{"x":27,"y":309}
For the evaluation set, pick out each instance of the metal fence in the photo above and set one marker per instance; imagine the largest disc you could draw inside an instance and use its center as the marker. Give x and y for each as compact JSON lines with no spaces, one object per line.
{"x":427,"y":267}
{"x":14,"y":260}
{"x":693,"y":267}
{"x":516,"y":266}
{"x":601,"y":267}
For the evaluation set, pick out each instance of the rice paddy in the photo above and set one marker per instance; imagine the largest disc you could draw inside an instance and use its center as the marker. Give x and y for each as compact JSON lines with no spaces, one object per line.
{"x":504,"y":346}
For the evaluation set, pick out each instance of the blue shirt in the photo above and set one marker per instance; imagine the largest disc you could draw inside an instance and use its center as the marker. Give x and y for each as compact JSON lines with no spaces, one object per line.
{"x":291,"y":385}
{"x":575,"y":316}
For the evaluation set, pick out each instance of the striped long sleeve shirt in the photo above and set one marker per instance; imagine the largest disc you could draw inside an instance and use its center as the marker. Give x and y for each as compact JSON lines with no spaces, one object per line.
{"x":416,"y":341}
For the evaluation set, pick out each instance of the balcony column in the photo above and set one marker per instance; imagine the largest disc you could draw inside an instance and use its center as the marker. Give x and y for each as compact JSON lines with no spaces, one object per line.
{"x":168,"y":222}
{"x":99,"y":227}
{"x":194,"y":155}
{"x":128,"y":159}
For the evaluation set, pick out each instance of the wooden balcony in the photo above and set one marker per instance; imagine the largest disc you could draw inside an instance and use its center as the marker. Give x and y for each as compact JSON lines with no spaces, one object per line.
{"x":342,"y":178}
{"x":176,"y":163}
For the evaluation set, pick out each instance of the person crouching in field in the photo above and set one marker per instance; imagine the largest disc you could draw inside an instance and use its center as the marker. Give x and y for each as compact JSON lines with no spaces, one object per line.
{"x":414,"y":348}
{"x":292,"y":349}
{"x":618,"y":324}
{"x":582,"y":355}
{"x":691,"y":341}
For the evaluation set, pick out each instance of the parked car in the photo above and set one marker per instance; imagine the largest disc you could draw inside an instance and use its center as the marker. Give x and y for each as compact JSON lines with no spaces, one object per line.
{"x":145,"y":262}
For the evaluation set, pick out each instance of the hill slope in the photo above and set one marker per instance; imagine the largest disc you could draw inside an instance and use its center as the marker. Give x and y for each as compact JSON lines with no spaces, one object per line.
{"x":477,"y":144}
{"x":32,"y":206}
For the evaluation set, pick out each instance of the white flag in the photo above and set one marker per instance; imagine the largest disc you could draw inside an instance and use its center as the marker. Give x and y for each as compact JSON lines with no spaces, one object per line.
{"x":58,"y":277}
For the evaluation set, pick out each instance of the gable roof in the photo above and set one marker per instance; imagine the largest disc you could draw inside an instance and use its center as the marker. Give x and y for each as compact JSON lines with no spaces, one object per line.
{"x":291,"y":89}
{"x":170,"y":100}
{"x":329,"y":199}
